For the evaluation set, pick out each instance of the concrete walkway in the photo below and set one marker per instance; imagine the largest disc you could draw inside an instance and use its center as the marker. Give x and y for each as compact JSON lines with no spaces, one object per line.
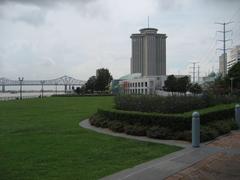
{"x":218,"y":159}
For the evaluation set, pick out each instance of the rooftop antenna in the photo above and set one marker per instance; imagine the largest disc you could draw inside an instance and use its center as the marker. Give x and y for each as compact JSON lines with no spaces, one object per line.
{"x":148,"y":21}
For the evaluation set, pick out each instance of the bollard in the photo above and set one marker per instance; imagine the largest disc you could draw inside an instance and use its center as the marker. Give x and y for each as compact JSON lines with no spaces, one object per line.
{"x":237,"y":115}
{"x":195,"y":129}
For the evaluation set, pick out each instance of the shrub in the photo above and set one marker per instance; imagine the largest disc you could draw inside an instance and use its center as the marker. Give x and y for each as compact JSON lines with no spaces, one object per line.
{"x":96,"y":120}
{"x":176,"y":122}
{"x":159,"y":132}
{"x":183,"y":135}
{"x":208,"y":133}
{"x":137,"y":130}
{"x":222,"y":127}
{"x":216,"y":113}
{"x":233,"y":125}
{"x":116,"y":126}
{"x":169,"y":104}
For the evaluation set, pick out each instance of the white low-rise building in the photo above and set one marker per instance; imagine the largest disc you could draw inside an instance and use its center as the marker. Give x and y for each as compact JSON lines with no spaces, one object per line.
{"x":138,"y":84}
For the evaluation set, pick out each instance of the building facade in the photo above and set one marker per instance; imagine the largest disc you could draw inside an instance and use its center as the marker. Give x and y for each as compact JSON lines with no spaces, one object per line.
{"x":234,"y":57}
{"x":223,"y":65}
{"x":142,"y":85}
{"x":148,"y":53}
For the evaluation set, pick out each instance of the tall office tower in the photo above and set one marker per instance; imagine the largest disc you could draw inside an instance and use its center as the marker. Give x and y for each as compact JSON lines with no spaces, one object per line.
{"x":234,"y":57}
{"x":222,"y":65}
{"x":148,"y":53}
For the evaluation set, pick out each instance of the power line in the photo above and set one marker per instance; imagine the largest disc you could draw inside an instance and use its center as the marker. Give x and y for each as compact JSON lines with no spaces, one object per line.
{"x":198,"y":73}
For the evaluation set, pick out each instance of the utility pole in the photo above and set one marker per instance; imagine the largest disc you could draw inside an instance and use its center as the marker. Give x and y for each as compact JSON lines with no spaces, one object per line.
{"x":224,"y":40}
{"x":194,"y":72}
{"x":198,"y":73}
{"x":148,"y":21}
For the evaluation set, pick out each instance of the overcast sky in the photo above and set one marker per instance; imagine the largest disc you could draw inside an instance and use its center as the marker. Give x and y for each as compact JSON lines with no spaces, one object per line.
{"x":45,"y":39}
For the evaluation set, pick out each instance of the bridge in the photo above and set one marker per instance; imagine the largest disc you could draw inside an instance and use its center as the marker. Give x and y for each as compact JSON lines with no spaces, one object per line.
{"x":65,"y":81}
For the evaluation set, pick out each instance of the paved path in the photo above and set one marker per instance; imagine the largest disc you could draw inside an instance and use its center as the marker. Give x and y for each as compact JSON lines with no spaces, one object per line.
{"x":219,"y":159}
{"x":222,"y":165}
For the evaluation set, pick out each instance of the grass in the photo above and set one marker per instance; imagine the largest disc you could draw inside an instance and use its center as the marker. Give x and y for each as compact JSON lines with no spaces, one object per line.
{"x":41,"y":139}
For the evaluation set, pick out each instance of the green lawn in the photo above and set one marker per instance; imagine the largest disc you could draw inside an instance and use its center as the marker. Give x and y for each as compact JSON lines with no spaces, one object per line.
{"x":41,"y":139}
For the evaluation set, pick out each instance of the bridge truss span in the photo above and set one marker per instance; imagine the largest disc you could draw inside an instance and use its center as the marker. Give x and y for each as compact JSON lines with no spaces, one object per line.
{"x":64,"y":80}
{"x":61,"y":81}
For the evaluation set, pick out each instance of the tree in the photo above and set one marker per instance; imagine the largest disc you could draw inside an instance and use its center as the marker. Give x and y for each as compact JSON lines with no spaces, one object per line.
{"x":103,"y":79}
{"x":170,"y":84}
{"x":234,"y":75}
{"x":220,"y":86}
{"x":183,"y":84}
{"x":80,"y":90}
{"x":91,"y":84}
{"x":173,"y":84}
{"x":195,"y":88}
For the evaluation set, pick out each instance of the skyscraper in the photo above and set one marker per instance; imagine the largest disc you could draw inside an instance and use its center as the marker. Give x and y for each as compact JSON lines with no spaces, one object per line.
{"x":222,"y":65}
{"x":148,"y":53}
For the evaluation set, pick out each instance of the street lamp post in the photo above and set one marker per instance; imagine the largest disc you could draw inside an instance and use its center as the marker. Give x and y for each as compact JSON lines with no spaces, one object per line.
{"x":20,"y":82}
{"x":42,"y":82}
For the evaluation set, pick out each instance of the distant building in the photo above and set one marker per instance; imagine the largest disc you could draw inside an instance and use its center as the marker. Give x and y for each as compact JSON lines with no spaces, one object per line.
{"x":138,"y":84}
{"x":234,"y":57}
{"x":209,"y":78}
{"x":148,"y":53}
{"x":148,"y":65}
{"x":223,"y":64}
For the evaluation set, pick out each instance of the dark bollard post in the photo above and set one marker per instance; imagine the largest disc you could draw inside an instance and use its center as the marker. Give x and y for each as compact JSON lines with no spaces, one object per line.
{"x":195,"y":129}
{"x":237,"y":115}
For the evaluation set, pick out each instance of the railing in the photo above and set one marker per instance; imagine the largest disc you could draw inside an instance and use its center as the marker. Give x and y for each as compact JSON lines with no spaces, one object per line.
{"x":16,"y":98}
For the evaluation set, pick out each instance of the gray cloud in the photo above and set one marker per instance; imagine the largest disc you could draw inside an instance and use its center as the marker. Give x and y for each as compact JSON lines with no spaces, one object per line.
{"x":34,"y":17}
{"x":34,"y":11}
{"x":45,"y":3}
{"x":78,"y":36}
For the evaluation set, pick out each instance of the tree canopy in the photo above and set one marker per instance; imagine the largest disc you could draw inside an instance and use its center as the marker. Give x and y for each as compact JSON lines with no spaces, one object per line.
{"x":234,"y":75}
{"x":90,"y":84}
{"x":100,"y":82}
{"x":195,"y":88}
{"x":173,"y":84}
{"x":103,"y":79}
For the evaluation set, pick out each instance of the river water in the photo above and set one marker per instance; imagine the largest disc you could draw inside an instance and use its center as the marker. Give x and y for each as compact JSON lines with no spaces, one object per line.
{"x":12,"y":92}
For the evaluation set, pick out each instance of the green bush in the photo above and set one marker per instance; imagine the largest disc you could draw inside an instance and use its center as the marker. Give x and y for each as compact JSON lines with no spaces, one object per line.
{"x":234,"y":125}
{"x":160,"y":133}
{"x":176,"y":122}
{"x":208,"y":133}
{"x":214,"y":121}
{"x":116,"y":126}
{"x":137,"y":130}
{"x":183,"y":135}
{"x":169,"y":104}
{"x":97,"y":120}
{"x":222,"y":127}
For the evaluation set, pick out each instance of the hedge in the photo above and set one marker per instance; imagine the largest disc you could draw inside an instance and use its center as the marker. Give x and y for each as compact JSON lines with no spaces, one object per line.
{"x":168,"y":104}
{"x":172,"y":121}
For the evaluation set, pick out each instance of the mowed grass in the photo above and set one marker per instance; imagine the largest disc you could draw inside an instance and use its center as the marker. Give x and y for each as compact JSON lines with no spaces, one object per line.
{"x":41,"y":139}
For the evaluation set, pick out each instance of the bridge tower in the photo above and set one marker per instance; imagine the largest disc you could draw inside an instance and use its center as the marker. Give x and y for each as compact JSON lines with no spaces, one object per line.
{"x":3,"y":88}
